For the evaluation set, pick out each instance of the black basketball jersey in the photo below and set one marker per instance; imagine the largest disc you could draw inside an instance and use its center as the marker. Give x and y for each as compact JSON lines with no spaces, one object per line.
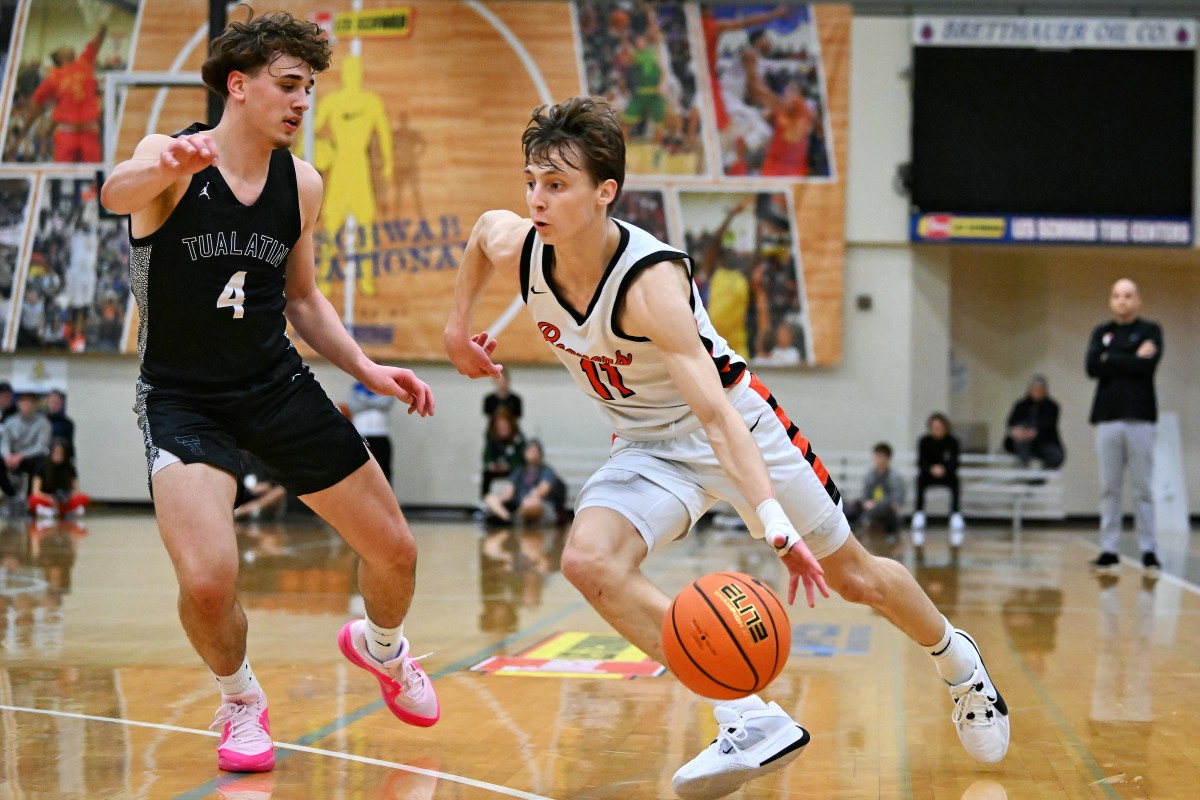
{"x":209,"y":283}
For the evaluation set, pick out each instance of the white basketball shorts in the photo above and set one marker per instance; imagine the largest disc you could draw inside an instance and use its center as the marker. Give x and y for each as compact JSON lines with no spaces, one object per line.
{"x":664,"y":487}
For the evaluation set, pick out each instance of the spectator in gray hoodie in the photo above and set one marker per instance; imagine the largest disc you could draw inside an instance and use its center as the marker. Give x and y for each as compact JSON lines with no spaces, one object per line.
{"x":24,"y":444}
{"x":882,"y":496}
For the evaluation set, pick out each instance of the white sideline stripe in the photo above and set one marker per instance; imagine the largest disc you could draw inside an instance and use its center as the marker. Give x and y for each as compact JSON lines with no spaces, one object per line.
{"x":1133,"y":563}
{"x":543,"y":90}
{"x":297,"y":747}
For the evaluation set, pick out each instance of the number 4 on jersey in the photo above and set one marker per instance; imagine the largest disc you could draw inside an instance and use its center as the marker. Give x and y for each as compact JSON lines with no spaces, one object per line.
{"x":234,"y":295}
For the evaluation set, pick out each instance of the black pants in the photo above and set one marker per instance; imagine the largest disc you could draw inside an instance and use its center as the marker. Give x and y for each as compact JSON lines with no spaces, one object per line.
{"x":925,"y":480}
{"x":1051,"y":455}
{"x":882,"y":515}
{"x":23,"y":473}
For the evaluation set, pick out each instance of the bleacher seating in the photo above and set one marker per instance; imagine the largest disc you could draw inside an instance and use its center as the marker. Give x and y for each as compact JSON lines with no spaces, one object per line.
{"x":994,"y":485}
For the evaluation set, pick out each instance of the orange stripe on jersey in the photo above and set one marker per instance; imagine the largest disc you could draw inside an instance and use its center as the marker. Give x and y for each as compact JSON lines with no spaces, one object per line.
{"x":797,"y":438}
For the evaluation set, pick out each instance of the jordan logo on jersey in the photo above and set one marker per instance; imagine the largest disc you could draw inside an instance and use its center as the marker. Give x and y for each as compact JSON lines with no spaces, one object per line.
{"x":204,"y":192}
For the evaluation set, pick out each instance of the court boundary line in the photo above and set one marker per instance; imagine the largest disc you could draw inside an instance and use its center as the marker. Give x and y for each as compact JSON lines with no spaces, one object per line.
{"x":237,"y":776}
{"x":302,"y":745}
{"x":1136,"y":565}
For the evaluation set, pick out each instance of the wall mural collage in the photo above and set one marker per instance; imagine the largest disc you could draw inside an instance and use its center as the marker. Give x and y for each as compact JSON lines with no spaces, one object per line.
{"x":734,"y":117}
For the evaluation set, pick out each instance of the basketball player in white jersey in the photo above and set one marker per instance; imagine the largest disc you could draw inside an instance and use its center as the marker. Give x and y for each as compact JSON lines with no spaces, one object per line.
{"x":221,"y":259}
{"x":742,"y":89}
{"x":692,"y":426}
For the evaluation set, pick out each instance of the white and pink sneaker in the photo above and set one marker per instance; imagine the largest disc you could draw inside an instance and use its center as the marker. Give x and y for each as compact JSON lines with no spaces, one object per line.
{"x":246,"y":744}
{"x":407,"y":690}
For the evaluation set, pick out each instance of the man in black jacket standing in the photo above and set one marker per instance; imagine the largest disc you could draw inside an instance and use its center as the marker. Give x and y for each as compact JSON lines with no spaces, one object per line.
{"x":1122,"y":355}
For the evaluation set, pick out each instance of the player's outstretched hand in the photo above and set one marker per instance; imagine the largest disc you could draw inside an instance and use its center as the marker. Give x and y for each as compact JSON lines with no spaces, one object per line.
{"x":800,"y":563}
{"x":799,"y":560}
{"x":403,"y":384}
{"x":189,"y":154}
{"x":473,"y":357}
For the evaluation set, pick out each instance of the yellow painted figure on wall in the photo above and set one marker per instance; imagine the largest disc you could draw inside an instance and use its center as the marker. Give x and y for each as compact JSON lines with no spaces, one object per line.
{"x":352,"y":115}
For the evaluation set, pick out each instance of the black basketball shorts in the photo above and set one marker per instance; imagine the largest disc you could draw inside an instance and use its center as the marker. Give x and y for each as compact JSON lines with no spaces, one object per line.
{"x":287,"y":421}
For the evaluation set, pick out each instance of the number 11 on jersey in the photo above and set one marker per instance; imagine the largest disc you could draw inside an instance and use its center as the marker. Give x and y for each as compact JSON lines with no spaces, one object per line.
{"x":592,"y":370}
{"x":234,"y":295}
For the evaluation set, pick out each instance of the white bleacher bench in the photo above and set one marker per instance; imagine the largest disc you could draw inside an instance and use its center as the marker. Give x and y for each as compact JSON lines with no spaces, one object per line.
{"x":993,"y":485}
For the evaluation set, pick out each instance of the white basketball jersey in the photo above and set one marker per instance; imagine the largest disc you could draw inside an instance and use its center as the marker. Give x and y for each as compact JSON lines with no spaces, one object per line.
{"x":626,"y":375}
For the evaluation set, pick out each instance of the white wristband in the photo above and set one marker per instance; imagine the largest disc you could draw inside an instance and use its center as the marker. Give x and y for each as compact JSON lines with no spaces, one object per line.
{"x":773,"y":518}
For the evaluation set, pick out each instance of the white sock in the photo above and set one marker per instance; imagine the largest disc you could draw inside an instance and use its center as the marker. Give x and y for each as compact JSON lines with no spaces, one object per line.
{"x":741,"y":705}
{"x":953,"y":656}
{"x":239,"y":682}
{"x":383,"y":643}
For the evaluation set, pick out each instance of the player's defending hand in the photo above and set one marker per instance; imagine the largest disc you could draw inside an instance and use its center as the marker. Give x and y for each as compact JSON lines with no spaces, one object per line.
{"x":403,"y":384}
{"x":473,"y":357}
{"x":187,"y":155}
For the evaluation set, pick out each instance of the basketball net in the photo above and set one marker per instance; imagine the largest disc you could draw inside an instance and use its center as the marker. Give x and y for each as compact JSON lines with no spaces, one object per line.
{"x":94,"y":12}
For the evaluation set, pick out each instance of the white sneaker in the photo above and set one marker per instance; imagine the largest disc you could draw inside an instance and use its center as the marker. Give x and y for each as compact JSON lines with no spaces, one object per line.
{"x":918,"y":521}
{"x":748,"y":746}
{"x":980,"y":713}
{"x":957,"y":527}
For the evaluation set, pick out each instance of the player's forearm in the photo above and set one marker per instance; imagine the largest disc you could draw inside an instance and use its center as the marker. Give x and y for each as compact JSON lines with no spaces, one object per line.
{"x":739,"y":456}
{"x":135,"y":184}
{"x":317,"y":323}
{"x":474,"y":271}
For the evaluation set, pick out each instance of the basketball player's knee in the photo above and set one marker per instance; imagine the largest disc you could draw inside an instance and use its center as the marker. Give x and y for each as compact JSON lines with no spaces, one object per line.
{"x":209,"y":594}
{"x":577,"y":564}
{"x":397,"y":552}
{"x":589,"y":569}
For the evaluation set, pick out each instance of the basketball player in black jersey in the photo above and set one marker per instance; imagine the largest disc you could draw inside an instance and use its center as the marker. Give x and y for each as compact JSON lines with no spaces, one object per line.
{"x":221,"y":259}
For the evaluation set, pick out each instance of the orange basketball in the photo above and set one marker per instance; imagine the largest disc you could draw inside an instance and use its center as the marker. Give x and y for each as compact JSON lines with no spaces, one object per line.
{"x":619,"y":19}
{"x":726,"y":635}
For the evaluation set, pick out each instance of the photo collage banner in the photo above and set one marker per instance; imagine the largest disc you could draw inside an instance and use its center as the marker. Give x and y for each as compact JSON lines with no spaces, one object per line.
{"x":735,"y":117}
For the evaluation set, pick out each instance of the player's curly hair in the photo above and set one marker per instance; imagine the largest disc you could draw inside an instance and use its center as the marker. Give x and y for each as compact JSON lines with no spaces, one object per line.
{"x":583,"y":127}
{"x":249,"y":46}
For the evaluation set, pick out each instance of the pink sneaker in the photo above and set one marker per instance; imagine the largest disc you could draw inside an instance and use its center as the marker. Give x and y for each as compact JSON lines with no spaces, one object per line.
{"x":245,"y":733}
{"x":406,"y":689}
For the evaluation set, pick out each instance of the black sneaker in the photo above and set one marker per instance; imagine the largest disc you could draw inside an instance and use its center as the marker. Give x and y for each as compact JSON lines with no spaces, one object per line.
{"x":1150,"y":563}
{"x":1106,"y":562}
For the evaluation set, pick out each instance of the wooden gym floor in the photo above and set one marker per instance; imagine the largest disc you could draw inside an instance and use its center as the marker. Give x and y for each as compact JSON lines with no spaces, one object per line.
{"x":102,"y":697}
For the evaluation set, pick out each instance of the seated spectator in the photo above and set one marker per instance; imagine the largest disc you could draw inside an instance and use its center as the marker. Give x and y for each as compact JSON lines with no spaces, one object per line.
{"x":8,"y":401}
{"x":882,"y":496}
{"x":54,"y":490}
{"x":369,"y":412}
{"x":937,"y":465}
{"x":24,"y":445}
{"x":258,"y":493}
{"x":503,"y":449}
{"x":532,"y":494}
{"x":502,"y":397}
{"x":61,"y":426}
{"x":1032,"y":430}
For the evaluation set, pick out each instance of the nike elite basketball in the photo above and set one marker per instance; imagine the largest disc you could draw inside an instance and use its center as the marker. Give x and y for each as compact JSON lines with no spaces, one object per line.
{"x":726,"y":635}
